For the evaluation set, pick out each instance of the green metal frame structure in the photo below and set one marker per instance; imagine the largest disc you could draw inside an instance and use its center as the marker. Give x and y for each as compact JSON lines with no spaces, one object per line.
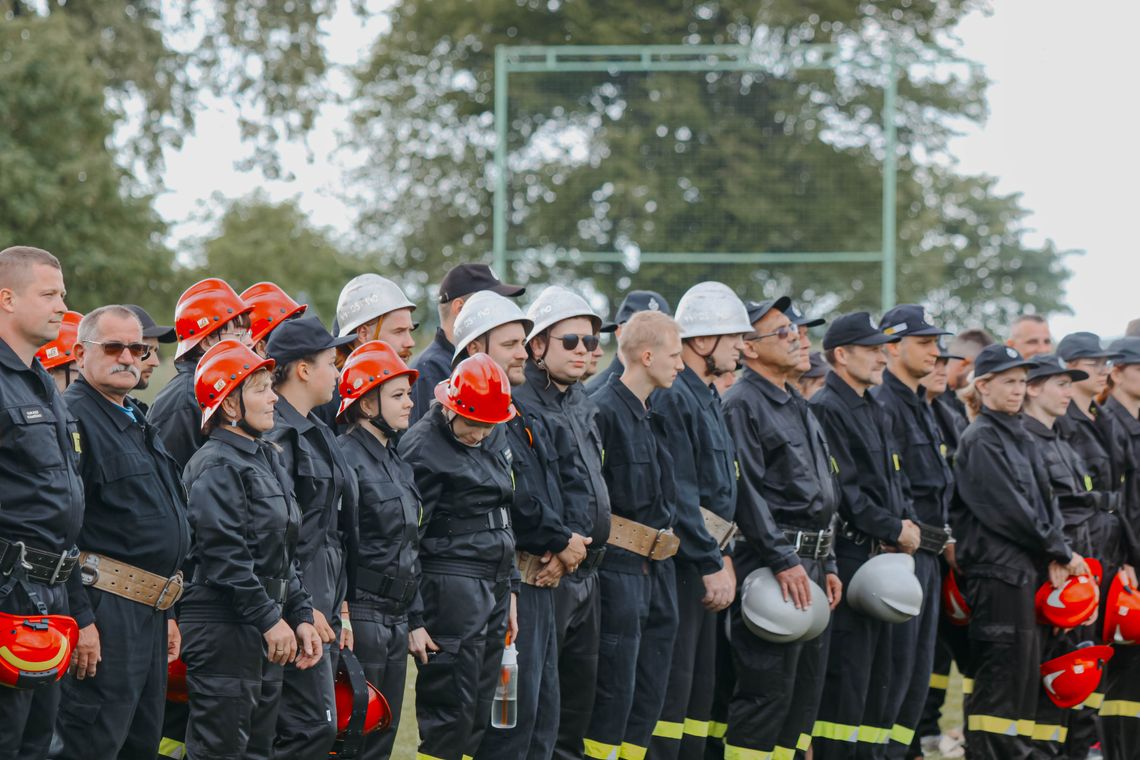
{"x":697,"y":59}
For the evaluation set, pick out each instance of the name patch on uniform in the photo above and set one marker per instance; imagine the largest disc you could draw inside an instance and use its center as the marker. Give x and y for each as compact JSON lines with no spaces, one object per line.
{"x":32,"y":414}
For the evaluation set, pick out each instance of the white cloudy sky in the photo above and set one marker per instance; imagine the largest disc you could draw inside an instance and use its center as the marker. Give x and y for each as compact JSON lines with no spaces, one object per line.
{"x":1062,"y":130}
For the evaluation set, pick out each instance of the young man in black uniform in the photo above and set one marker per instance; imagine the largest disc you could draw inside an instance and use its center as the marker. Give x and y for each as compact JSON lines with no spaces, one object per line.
{"x":854,"y":715}
{"x":134,"y":540}
{"x":634,"y":301}
{"x":786,"y":504}
{"x":41,"y":509}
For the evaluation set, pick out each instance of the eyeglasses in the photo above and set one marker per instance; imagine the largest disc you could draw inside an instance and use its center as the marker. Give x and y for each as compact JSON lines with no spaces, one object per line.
{"x":570,"y":341}
{"x":781,"y":333}
{"x":116,"y":347}
{"x":1097,"y":365}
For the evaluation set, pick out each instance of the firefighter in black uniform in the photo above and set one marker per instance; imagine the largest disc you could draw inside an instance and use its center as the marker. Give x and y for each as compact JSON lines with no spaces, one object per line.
{"x":634,"y":301}
{"x":376,"y":404}
{"x":927,"y":485}
{"x":467,"y":556}
{"x":41,"y":495}
{"x":1009,"y":538}
{"x":133,"y":542}
{"x":553,"y":391}
{"x":786,"y":504}
{"x":854,"y":717}
{"x":713,"y":322}
{"x":639,"y":598}
{"x":325,"y":488}
{"x":245,"y":615}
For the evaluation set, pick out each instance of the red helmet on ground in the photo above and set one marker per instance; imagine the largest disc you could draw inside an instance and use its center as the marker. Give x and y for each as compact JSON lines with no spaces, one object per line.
{"x":478,"y":391}
{"x":1072,"y":677}
{"x":369,"y":366}
{"x":1121,"y":613}
{"x":1069,"y":606}
{"x":954,"y":604}
{"x":271,"y":306}
{"x":176,"y":689}
{"x":204,"y":308}
{"x":224,"y":367}
{"x":61,"y":351}
{"x":35,"y":650}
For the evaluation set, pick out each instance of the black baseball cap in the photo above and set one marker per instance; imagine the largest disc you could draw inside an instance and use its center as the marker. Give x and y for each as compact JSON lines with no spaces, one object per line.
{"x":997,"y":358}
{"x":855,"y":329}
{"x":1127,"y":350}
{"x":1083,"y":345}
{"x":1049,"y":365}
{"x":635,"y":301}
{"x":798,"y":318}
{"x":819,"y":367}
{"x":757,"y":309}
{"x":300,"y":337}
{"x":164,"y":333}
{"x":465,"y":279}
{"x":909,"y":319}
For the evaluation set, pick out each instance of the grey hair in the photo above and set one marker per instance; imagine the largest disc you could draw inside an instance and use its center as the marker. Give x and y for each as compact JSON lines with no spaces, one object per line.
{"x":89,"y":325}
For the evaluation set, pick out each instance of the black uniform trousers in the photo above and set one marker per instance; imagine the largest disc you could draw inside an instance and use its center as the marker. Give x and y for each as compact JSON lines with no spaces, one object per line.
{"x":538,"y":693}
{"x":467,"y":619}
{"x":639,"y":625}
{"x":234,"y":692}
{"x":117,"y":713}
{"x":27,"y":716}
{"x":778,"y":688}
{"x":381,"y":645}
{"x":952,"y":647}
{"x":1120,"y":710}
{"x":724,"y":685}
{"x":683,"y":728}
{"x":577,"y":621}
{"x":912,"y":661}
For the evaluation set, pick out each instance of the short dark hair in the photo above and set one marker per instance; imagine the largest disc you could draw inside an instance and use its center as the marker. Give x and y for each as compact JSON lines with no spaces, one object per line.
{"x":975,"y":337}
{"x":16,"y":265}
{"x":281,"y":372}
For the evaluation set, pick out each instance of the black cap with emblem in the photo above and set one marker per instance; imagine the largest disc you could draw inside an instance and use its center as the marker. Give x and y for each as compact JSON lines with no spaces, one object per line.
{"x":909,"y":319}
{"x":635,"y":301}
{"x":855,"y":329}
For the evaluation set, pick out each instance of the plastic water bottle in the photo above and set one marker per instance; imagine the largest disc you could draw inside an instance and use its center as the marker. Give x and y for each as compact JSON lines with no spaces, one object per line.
{"x":505,"y":706}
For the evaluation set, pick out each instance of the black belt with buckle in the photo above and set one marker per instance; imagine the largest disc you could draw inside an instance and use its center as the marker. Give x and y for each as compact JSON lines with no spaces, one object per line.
{"x":277,"y":588}
{"x":51,"y":568}
{"x":933,"y":538}
{"x":401,"y":590}
{"x":592,"y":561}
{"x":810,"y":544}
{"x":497,"y":519}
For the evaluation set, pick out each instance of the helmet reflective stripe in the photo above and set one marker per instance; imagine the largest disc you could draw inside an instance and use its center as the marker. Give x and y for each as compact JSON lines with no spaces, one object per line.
{"x":365,"y":298}
{"x":481,"y":313}
{"x":555,"y":304}
{"x":711,"y":308}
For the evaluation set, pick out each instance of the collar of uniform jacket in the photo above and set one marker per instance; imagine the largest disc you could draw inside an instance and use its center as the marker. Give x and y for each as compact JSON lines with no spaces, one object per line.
{"x":704,"y":392}
{"x":840,"y":387}
{"x":1131,"y":424}
{"x":913,"y":398}
{"x":442,"y":341}
{"x":777,"y":396}
{"x":639,"y":409}
{"x":1036,"y":427}
{"x":121,"y":420}
{"x":1011,"y":422}
{"x":238,"y":441}
{"x":1074,"y":413}
{"x":370,"y":443}
{"x":537,"y":379}
{"x":9,"y":359}
{"x":292,"y":417}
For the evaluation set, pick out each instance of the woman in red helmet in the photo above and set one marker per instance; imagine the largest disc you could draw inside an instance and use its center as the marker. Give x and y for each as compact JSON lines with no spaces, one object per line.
{"x":462,"y":468}
{"x":245,"y":614}
{"x":376,"y":405}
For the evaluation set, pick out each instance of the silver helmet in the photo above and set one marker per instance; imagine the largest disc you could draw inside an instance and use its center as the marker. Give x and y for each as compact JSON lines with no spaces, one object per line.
{"x":555,"y":304}
{"x":767,"y":614}
{"x":711,"y":308}
{"x":482,"y":312}
{"x":366,"y":297}
{"x":885,"y":588}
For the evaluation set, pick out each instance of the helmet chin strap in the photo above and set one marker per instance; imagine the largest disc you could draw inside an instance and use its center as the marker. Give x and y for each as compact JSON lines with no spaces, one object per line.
{"x":540,"y":362}
{"x":710,"y":362}
{"x":381,"y":423}
{"x":242,"y":422}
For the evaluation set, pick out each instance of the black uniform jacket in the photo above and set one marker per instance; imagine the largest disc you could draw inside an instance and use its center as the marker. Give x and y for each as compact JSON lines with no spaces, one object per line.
{"x":41,"y":494}
{"x":389,"y":514}
{"x":615,"y":367}
{"x":1068,"y":475}
{"x":244,"y":521}
{"x":952,"y":422}
{"x":537,"y":509}
{"x":859,"y":435}
{"x":635,"y":461}
{"x":177,"y":416}
{"x":704,"y":464}
{"x":927,"y":481}
{"x":1128,"y":427}
{"x":1004,"y":513}
{"x":434,"y":366}
{"x":787,"y":475}
{"x":136,"y":506}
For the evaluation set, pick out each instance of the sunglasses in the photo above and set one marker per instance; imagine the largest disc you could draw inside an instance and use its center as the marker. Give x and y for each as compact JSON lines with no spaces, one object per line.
{"x":116,"y":347}
{"x":570,"y":341}
{"x":782,"y":333}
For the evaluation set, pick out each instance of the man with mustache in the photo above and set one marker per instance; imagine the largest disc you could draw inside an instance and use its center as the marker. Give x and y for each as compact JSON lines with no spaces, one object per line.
{"x":133,"y":541}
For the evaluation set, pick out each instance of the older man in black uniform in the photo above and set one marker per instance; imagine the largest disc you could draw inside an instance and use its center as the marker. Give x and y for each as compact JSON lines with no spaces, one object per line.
{"x":786,"y":504}
{"x":134,"y":539}
{"x":41,"y":495}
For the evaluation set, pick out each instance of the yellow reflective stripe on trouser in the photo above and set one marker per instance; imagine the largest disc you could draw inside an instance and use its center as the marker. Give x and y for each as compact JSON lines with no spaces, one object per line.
{"x":902,"y":734}
{"x":784,"y":753}
{"x":425,"y":756}
{"x":1119,"y":708}
{"x":991,"y":724}
{"x":698,"y":728}
{"x":836,"y":732}
{"x":874,"y":734}
{"x":1094,"y":701}
{"x":600,"y":750}
{"x":967,"y":685}
{"x":1048,"y":732}
{"x":743,"y":753}
{"x":632,"y":752}
{"x":939,"y":681}
{"x":717,"y":730}
{"x":804,"y":742}
{"x":667,"y":729}
{"x":172,"y":748}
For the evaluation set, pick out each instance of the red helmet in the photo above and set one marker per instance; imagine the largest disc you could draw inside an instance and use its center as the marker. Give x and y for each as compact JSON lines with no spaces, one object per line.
{"x":378,"y":715}
{"x":1071,"y":678}
{"x":204,"y":308}
{"x":222,"y":369}
{"x":271,"y":306}
{"x":954,"y":604}
{"x":176,"y":689}
{"x":61,"y":351}
{"x":478,"y":391}
{"x":368,"y":367}
{"x":1121,"y":613}
{"x":35,"y":650}
{"x":1068,"y":606}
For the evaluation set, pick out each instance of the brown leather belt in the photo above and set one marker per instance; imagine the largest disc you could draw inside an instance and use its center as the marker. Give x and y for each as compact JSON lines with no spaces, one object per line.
{"x":530,"y":565}
{"x":119,"y":578}
{"x":641,"y":539}
{"x":722,"y":531}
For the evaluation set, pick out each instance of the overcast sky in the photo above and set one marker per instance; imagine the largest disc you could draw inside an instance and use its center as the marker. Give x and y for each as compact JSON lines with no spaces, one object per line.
{"x":1062,"y":131}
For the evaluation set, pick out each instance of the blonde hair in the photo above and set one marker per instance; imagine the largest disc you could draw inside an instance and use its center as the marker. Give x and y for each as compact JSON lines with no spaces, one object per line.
{"x":645,"y":331}
{"x":971,"y":397}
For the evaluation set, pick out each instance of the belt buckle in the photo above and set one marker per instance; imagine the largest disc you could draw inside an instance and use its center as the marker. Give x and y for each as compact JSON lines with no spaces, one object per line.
{"x":21,"y":561}
{"x":505,"y":515}
{"x":656,"y":540}
{"x":63,"y":557}
{"x":166,"y":588}
{"x":89,"y":570}
{"x":799,"y":541}
{"x":819,"y":552}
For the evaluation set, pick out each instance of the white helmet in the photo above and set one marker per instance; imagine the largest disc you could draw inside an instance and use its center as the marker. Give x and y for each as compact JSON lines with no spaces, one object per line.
{"x":885,"y":588}
{"x":482,"y":312}
{"x":366,"y":297}
{"x":711,"y":308}
{"x":820,"y":612}
{"x":767,"y":614}
{"x":555,"y":304}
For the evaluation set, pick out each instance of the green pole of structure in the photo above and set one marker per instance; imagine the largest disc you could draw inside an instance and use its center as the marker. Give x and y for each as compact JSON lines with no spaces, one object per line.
{"x":499,"y":227}
{"x":890,"y":182}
